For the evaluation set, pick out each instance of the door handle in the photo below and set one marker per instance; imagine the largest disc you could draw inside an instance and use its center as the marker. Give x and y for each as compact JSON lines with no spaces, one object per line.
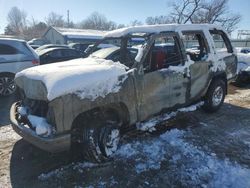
{"x":185,"y":75}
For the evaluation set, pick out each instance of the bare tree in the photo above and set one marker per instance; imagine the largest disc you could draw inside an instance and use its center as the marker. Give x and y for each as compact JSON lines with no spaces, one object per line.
{"x":35,"y":30}
{"x":184,"y":10}
{"x":55,"y":19}
{"x":206,"y":11}
{"x":158,"y":20}
{"x":120,"y":26}
{"x":97,"y":21}
{"x":16,"y":21}
{"x":217,"y":11}
{"x":135,"y":23}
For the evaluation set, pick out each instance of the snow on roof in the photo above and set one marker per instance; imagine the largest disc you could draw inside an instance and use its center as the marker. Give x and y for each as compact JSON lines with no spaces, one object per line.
{"x":159,"y":28}
{"x":80,"y":33}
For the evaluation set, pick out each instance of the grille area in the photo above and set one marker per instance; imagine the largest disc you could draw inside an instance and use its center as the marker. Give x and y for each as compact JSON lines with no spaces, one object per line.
{"x":36,"y":107}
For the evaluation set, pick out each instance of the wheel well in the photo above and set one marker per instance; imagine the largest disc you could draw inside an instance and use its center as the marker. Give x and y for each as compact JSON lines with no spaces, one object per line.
{"x":117,"y":111}
{"x":222,"y":77}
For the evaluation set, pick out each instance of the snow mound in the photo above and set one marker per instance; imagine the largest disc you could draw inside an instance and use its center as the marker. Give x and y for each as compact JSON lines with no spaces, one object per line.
{"x":185,"y":162}
{"x":88,"y":78}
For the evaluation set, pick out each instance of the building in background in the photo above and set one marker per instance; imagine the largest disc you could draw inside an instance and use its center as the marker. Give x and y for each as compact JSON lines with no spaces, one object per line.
{"x":56,"y":35}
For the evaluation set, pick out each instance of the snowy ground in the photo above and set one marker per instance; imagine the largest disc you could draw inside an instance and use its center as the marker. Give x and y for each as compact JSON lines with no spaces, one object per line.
{"x":192,"y":149}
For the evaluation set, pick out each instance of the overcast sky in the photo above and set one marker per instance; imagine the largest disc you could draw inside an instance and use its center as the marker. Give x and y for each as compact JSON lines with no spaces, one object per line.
{"x":120,"y":11}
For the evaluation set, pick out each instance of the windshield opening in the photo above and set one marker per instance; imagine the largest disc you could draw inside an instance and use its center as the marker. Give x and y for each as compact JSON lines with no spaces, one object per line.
{"x":123,"y":49}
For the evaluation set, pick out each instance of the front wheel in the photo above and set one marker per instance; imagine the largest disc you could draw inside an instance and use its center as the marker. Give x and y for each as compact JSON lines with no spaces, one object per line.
{"x":215,"y":96}
{"x":99,"y":144}
{"x":99,"y":140}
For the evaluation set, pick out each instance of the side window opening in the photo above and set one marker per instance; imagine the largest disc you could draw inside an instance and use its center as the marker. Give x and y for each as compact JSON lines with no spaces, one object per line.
{"x":7,"y":50}
{"x":195,"y":45}
{"x":221,"y":41}
{"x":164,"y":52}
{"x":55,"y":54}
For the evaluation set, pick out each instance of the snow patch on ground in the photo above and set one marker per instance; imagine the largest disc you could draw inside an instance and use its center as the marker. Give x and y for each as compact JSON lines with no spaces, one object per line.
{"x":186,"y":162}
{"x":150,"y":125}
{"x":88,"y":78}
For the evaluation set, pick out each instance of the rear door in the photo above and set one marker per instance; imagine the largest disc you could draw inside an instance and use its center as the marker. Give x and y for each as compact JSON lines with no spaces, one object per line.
{"x":224,"y":52}
{"x":197,"y":50}
{"x":16,"y":56}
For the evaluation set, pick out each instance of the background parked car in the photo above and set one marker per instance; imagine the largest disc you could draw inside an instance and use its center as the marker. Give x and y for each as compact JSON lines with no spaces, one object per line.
{"x":34,"y":46}
{"x":47,"y":46}
{"x":245,"y":50}
{"x":91,"y":48}
{"x":58,"y":54}
{"x":113,"y":54}
{"x":79,"y":46}
{"x":15,"y":55}
{"x":243,"y":67}
{"x":37,"y":41}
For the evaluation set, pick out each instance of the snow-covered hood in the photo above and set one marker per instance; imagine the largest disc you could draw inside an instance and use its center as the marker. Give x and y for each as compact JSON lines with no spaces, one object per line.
{"x":88,"y":78}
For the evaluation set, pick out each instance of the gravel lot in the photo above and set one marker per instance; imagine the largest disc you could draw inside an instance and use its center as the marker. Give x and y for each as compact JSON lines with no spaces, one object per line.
{"x":194,"y":149}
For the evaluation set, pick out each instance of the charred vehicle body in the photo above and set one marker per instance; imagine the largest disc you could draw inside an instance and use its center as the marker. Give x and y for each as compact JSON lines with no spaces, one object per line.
{"x":89,"y":101}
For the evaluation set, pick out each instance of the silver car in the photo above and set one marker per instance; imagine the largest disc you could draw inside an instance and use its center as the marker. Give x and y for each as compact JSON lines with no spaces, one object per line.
{"x":15,"y":55}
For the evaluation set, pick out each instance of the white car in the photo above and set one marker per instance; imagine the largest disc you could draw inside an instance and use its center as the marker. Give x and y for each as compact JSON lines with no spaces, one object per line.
{"x":15,"y":55}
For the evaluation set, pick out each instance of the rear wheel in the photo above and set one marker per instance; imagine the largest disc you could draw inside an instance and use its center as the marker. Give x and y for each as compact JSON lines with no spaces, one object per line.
{"x":7,"y":84}
{"x":215,"y":96}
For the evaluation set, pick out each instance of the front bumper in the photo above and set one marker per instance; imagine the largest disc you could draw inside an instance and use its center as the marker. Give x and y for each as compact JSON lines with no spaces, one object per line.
{"x":53,"y":144}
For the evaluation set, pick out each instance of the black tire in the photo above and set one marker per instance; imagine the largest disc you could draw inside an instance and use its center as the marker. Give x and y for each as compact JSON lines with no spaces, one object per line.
{"x":96,"y":143}
{"x":215,"y":96}
{"x":7,"y":85}
{"x":242,"y":80}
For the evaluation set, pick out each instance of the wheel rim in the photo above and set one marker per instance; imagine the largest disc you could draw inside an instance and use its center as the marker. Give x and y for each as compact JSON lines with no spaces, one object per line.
{"x":112,"y":142}
{"x":7,"y":86}
{"x":217,"y":96}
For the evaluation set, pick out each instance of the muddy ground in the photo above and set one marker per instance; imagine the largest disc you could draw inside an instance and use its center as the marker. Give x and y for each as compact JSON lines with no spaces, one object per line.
{"x":194,"y":149}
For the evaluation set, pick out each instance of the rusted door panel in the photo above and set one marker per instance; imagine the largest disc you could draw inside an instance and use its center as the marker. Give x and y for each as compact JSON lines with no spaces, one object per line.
{"x":179,"y":84}
{"x":161,"y":89}
{"x":199,"y":72}
{"x":154,"y":93}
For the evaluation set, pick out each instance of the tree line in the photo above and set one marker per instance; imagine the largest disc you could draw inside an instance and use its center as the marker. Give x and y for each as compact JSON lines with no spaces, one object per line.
{"x":182,"y":12}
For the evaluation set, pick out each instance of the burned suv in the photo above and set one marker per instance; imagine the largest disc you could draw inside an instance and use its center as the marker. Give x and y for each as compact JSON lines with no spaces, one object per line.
{"x":88,"y":102}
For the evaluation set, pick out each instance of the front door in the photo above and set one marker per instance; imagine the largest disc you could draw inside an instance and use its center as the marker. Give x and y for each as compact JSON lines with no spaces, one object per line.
{"x":164,"y":82}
